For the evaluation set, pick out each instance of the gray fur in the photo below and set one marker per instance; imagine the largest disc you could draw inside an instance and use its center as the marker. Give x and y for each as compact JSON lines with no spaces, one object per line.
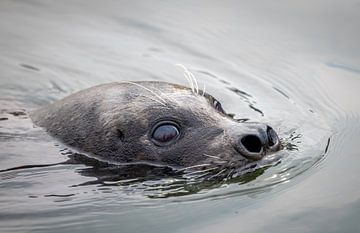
{"x":112,"y":122}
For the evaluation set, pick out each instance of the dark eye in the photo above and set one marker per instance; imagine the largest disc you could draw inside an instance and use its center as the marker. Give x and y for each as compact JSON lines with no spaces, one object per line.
{"x":165,"y":134}
{"x":217,"y":106}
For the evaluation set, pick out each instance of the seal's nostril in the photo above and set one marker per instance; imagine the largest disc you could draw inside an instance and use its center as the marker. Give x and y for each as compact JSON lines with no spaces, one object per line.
{"x":272,"y":136}
{"x":252,"y":143}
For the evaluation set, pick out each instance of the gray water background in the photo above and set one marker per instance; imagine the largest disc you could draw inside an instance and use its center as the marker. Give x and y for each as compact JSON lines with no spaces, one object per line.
{"x":297,"y":61}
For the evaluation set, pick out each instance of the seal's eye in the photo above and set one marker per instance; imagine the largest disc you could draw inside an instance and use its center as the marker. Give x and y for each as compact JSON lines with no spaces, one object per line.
{"x":217,"y":106}
{"x":164,"y":134}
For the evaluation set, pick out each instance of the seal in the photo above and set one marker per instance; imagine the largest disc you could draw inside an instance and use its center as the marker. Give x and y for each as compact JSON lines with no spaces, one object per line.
{"x":156,"y":123}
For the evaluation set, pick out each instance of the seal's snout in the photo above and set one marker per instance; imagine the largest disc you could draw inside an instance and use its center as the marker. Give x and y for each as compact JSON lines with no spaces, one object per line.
{"x":256,"y":144}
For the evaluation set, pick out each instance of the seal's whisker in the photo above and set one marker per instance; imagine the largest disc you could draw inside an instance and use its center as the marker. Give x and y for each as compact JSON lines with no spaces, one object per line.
{"x":192,"y":76}
{"x":157,"y":101}
{"x":202,"y":171}
{"x":187,"y":76}
{"x":199,"y":176}
{"x":220,"y":162}
{"x":147,"y":89}
{"x":194,"y":179}
{"x":217,"y":174}
{"x":212,"y":156}
{"x":203,"y":91}
{"x":231,"y":172}
{"x":190,"y":81}
{"x":194,"y":166}
{"x":165,"y":95}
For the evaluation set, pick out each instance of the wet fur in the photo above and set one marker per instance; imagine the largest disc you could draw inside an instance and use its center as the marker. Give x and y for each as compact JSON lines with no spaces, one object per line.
{"x":112,"y":122}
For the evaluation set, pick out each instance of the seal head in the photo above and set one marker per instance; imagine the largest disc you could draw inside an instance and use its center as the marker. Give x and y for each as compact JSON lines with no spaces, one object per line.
{"x":156,"y":123}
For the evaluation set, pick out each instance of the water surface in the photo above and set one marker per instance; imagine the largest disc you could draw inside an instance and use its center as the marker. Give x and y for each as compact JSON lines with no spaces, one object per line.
{"x":291,"y":64}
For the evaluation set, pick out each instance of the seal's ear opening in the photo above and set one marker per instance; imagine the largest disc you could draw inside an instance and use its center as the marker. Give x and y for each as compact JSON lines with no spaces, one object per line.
{"x":120,"y":134}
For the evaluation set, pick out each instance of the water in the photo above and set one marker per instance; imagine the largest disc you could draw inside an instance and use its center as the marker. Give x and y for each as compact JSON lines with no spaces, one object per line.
{"x":291,"y":64}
